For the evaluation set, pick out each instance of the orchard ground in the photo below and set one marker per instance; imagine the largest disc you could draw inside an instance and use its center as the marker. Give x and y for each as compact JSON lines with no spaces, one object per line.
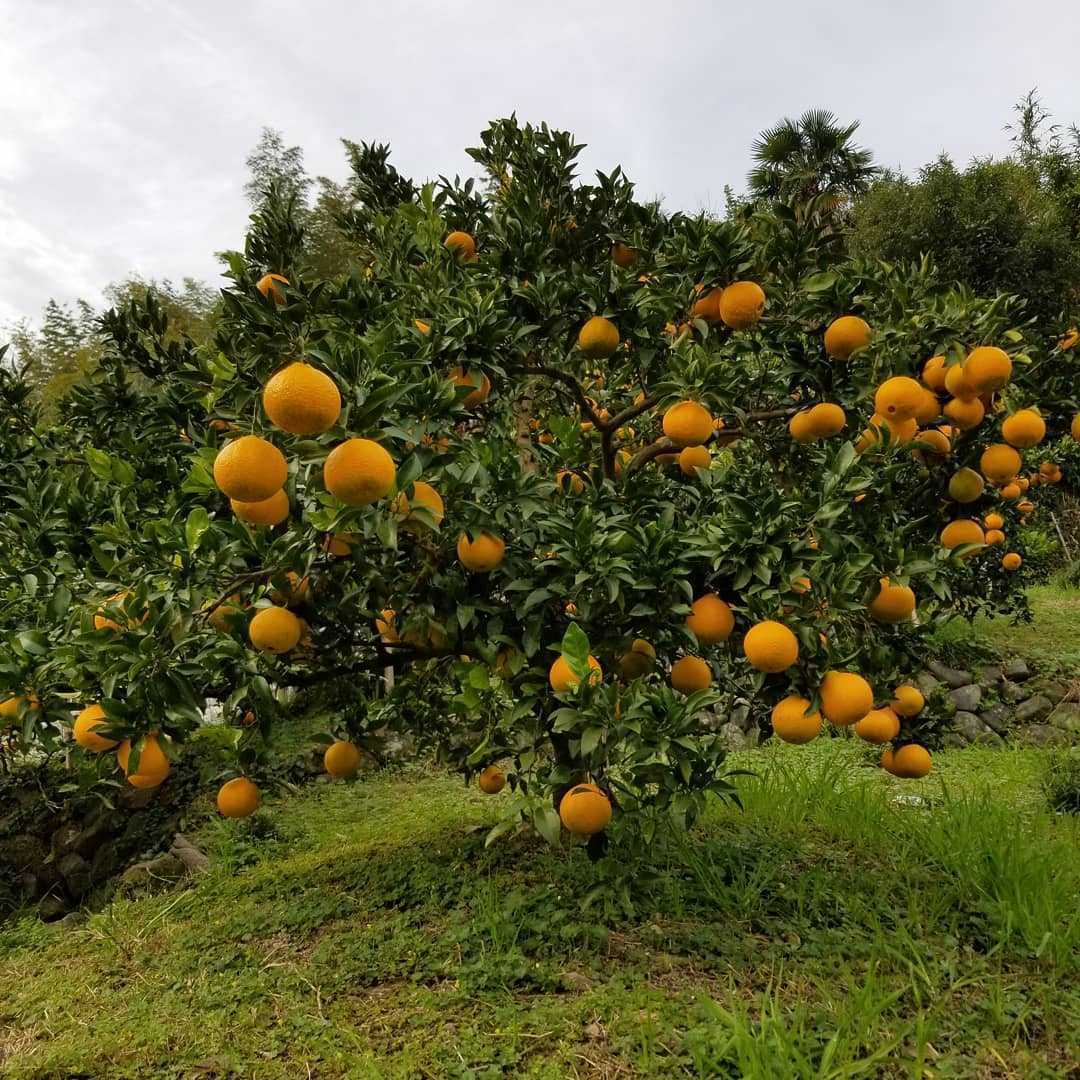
{"x":843,"y":923}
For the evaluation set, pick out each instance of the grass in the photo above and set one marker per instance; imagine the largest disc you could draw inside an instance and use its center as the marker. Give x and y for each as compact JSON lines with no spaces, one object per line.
{"x":843,"y":924}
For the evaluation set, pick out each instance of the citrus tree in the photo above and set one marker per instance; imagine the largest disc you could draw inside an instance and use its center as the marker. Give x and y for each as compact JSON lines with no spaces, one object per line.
{"x":588,"y":477}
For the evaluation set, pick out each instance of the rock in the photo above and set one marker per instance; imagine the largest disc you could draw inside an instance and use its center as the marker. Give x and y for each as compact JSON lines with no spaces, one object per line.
{"x":192,"y":858}
{"x":29,"y":885}
{"x":1013,"y":692}
{"x":966,"y":698}
{"x":1017,"y":670}
{"x":133,"y":798}
{"x":51,"y":907}
{"x":20,"y":851}
{"x":1054,"y":689}
{"x":63,"y":839}
{"x":927,"y":684}
{"x":153,"y":874}
{"x":72,"y":920}
{"x":1028,"y":712}
{"x":969,"y":726}
{"x":953,"y":676}
{"x":736,"y":738}
{"x":997,"y":718}
{"x":1043,"y":735}
{"x":740,"y":715}
{"x":1066,"y":717}
{"x":105,"y":863}
{"x":953,"y":740}
{"x":990,"y":675}
{"x":75,"y":871}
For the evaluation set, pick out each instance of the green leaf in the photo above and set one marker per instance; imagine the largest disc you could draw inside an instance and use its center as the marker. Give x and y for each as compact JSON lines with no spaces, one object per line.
{"x":575,"y":647}
{"x":99,"y":462}
{"x":59,"y":602}
{"x":33,"y":642}
{"x":197,"y":523}
{"x":547,"y":824}
{"x":590,"y":740}
{"x":819,"y":282}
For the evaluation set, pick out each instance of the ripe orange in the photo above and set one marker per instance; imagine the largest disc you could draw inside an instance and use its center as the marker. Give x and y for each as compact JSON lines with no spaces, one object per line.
{"x":1050,"y":472}
{"x":1011,"y":561}
{"x":1000,"y":463}
{"x":966,"y":485}
{"x":274,"y":630}
{"x":965,"y":414}
{"x":598,"y":338}
{"x":1074,"y":428}
{"x":936,"y":441}
{"x":845,"y":697}
{"x":1024,"y":429}
{"x":492,"y":780}
{"x":250,"y":469}
{"x":637,"y":661}
{"x":339,"y":545}
{"x":461,"y":245}
{"x":826,"y":420}
{"x":478,"y":390}
{"x":933,"y":373}
{"x":585,"y":810}
{"x":359,"y":472}
{"x":692,"y":458}
{"x":423,"y":327}
{"x":898,"y":398}
{"x":272,"y":511}
{"x":887,"y":761}
{"x":153,"y":765}
{"x":707,"y":307}
{"x":793,"y":722}
{"x":268,"y":284}
{"x":342,"y":759}
{"x":710,"y":619}
{"x":929,"y":407}
{"x":561,"y":676}
{"x":801,"y":427}
{"x":482,"y":554}
{"x":691,"y":674}
{"x":423,"y":495}
{"x":907,"y":701}
{"x":623,"y":256}
{"x":385,"y":626}
{"x":987,"y":369}
{"x":565,"y":480}
{"x":226,"y":615}
{"x":878,"y":726}
{"x":688,"y":424}
{"x":911,"y":761}
{"x":1010,"y":491}
{"x":238,"y":798}
{"x":770,"y":646}
{"x":102,"y":621}
{"x":994,"y":521}
{"x":302,"y":400}
{"x":893,"y":603}
{"x":742,"y":303}
{"x":1069,"y":340}
{"x":962,"y":531}
{"x":845,"y":335}
{"x":994,"y":536}
{"x":93,"y":716}
{"x":958,"y":385}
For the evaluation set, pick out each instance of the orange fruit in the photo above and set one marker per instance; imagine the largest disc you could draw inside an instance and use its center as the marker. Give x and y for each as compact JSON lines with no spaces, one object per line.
{"x":793,"y":722}
{"x":964,"y":413}
{"x":878,"y":726}
{"x":893,"y":603}
{"x":966,"y":485}
{"x":1050,"y":472}
{"x":102,"y":621}
{"x":741,"y":304}
{"x":1011,"y":561}
{"x":153,"y":765}
{"x":958,"y":385}
{"x":907,"y":701}
{"x":423,"y":495}
{"x":846,"y":334}
{"x":250,"y":469}
{"x":339,"y":545}
{"x":1074,"y":428}
{"x":423,"y":327}
{"x":359,"y":472}
{"x":929,"y":407}
{"x":911,"y":761}
{"x":482,"y":554}
{"x":1024,"y":429}
{"x":887,"y":761}
{"x":692,"y":458}
{"x":274,"y":630}
{"x":770,"y":646}
{"x":225,"y":616}
{"x":801,"y":427}
{"x":1069,"y":340}
{"x":962,"y":531}
{"x":385,"y":626}
{"x":342,"y":759}
{"x":598,"y":338}
{"x":461,"y":245}
{"x":93,"y":716}
{"x":845,"y":697}
{"x":478,"y":390}
{"x":1000,"y":463}
{"x":623,"y":255}
{"x":710,"y":619}
{"x":1025,"y":506}
{"x":561,"y":676}
{"x":691,"y":674}
{"x":637,"y":661}
{"x":565,"y":481}
{"x":268,"y":285}
{"x":898,"y":398}
{"x":987,"y":369}
{"x":994,"y":536}
{"x":826,"y":420}
{"x":994,"y":521}
{"x":937,"y":442}
{"x":272,"y":511}
{"x":707,"y":307}
{"x":585,"y":810}
{"x":302,"y":400}
{"x":238,"y":798}
{"x":1010,"y":491}
{"x":933,"y":373}
{"x":688,"y":424}
{"x":492,"y":780}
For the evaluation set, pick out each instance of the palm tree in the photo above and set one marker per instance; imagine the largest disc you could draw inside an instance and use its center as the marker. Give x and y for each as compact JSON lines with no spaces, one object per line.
{"x":800,"y":160}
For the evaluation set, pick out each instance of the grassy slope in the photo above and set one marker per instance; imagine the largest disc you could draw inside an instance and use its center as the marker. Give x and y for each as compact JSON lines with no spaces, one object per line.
{"x":836,"y":927}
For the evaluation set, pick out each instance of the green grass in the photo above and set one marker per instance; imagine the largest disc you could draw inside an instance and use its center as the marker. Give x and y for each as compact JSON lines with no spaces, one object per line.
{"x":843,"y":924}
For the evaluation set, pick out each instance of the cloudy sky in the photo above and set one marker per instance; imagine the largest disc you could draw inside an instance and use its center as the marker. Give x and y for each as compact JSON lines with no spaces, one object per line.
{"x":124,"y":124}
